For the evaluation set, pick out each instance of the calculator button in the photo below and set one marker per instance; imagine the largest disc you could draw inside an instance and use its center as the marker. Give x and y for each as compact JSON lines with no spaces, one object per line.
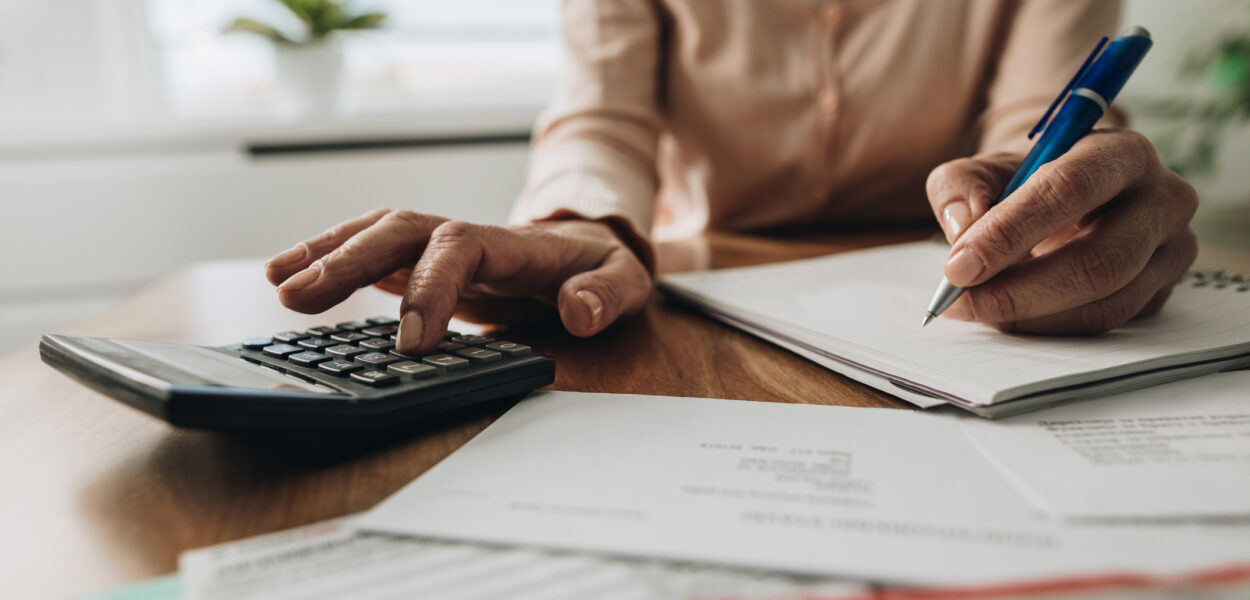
{"x":256,"y":343}
{"x":281,"y":350}
{"x":289,"y":337}
{"x":377,"y":344}
{"x":445,"y":362}
{"x":315,"y":343}
{"x":344,"y":351}
{"x":307,"y":358}
{"x":510,"y":349}
{"x":479,"y":355}
{"x":472,"y":340}
{"x":451,"y":334}
{"x":323,"y":331}
{"x":380,"y":330}
{"x":375,"y":377}
{"x":397,"y":354}
{"x":352,"y":325}
{"x":349,"y":337}
{"x":376,"y":359}
{"x":416,"y":369}
{"x":449,"y":346}
{"x":339,"y":367}
{"x":382,"y":320}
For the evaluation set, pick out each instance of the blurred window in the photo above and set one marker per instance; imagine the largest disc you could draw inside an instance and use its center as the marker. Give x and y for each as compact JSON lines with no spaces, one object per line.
{"x":432,"y":55}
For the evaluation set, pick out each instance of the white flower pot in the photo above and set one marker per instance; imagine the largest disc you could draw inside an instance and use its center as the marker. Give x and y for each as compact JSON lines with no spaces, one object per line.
{"x":309,"y":78}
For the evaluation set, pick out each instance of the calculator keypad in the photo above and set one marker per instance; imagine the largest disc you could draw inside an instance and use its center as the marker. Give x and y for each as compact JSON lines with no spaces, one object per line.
{"x":307,"y":358}
{"x":376,"y":359}
{"x":281,"y":350}
{"x":345,"y":351}
{"x":415,"y":369}
{"x":375,"y":377}
{"x":339,"y":367}
{"x":315,"y":343}
{"x":445,"y":363}
{"x":363,"y":352}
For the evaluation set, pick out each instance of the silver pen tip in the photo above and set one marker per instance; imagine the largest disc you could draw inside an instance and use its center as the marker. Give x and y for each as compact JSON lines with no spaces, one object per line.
{"x":927,"y":317}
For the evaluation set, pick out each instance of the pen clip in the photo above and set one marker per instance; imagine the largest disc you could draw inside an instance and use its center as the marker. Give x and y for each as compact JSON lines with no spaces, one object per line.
{"x":1068,"y":88}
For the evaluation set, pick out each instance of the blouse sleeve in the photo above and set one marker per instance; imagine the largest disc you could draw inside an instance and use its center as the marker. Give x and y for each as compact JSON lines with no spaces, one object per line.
{"x":594,"y":149}
{"x":1046,"y":42}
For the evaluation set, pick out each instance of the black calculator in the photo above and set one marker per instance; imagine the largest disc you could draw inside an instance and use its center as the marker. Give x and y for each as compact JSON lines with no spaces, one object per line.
{"x":344,"y":378}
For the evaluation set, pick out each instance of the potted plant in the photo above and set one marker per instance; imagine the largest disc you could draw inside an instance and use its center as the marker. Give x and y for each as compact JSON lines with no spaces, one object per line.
{"x":310,"y":60}
{"x":1198,"y":126}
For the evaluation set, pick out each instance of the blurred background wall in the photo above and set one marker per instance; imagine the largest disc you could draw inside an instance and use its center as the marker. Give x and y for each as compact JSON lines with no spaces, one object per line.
{"x":135,"y":137}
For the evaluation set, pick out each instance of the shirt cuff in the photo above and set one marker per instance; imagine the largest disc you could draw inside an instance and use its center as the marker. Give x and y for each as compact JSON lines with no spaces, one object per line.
{"x":587,"y":181}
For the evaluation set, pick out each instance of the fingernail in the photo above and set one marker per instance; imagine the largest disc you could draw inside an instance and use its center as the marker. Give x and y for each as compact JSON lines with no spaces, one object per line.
{"x":964,"y":267}
{"x":957,"y":216}
{"x":958,"y":311}
{"x":302,"y":279}
{"x":411,"y":330}
{"x":288,"y":257}
{"x":592,"y":301}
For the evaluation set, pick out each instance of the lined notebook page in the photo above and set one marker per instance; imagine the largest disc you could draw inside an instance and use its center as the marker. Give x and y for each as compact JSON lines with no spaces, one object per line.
{"x":866,"y":306}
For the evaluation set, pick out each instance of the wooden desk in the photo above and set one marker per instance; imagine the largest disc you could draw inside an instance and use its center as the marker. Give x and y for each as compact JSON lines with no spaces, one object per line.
{"x":96,"y":494}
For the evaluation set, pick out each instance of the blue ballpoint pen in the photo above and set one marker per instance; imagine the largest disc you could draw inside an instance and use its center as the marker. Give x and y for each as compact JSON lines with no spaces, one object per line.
{"x":1089,"y":93}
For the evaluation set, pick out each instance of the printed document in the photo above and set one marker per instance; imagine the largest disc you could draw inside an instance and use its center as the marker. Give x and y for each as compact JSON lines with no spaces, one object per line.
{"x":873,"y":494}
{"x":332,"y":560}
{"x":1173,"y":451}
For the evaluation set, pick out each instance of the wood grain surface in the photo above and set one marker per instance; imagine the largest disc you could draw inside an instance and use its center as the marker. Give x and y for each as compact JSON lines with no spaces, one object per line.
{"x":98,"y":494}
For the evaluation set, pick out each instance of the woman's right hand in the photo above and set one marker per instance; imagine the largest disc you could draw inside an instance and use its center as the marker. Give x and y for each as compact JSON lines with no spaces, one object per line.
{"x":441,"y":267}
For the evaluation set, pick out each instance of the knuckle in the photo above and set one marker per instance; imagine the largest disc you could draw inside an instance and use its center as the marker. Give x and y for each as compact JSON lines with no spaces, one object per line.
{"x":1136,"y":144}
{"x":609,"y":292}
{"x":1099,"y":272}
{"x":336,"y":232}
{"x":346,"y":263}
{"x":1061,"y":184}
{"x":1186,"y":196}
{"x":994,"y":305}
{"x":452,"y":232}
{"x":999,"y":238}
{"x":409,"y":219}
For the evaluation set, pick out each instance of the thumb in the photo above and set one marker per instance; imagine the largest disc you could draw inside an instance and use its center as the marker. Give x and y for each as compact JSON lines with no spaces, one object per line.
{"x":960,"y":191}
{"x":592,"y":300}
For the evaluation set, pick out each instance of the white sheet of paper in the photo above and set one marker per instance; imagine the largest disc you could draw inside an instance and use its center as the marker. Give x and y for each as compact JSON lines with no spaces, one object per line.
{"x":863,"y":307}
{"x":333,"y":560}
{"x":1173,"y":451}
{"x":877,"y":494}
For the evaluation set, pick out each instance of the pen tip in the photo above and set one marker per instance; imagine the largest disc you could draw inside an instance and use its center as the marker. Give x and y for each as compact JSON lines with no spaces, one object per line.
{"x":927,"y":317}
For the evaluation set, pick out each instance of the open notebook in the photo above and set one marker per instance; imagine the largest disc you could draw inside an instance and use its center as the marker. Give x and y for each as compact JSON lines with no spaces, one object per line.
{"x":858,"y":313}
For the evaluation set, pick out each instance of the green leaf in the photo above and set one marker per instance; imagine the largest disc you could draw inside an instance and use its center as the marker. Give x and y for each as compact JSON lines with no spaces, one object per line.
{"x":246,"y":25}
{"x":371,"y":20}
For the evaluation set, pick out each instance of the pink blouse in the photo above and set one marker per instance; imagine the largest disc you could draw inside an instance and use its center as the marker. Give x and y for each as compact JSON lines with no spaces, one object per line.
{"x":676,"y":116}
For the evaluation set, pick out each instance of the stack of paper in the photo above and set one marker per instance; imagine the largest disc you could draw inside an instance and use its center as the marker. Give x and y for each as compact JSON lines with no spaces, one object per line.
{"x":870,"y":494}
{"x":859,"y":313}
{"x":793,"y":501}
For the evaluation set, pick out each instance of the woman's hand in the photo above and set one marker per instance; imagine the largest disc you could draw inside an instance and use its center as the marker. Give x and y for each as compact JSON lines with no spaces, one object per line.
{"x":581,"y":267}
{"x":1093,"y":239}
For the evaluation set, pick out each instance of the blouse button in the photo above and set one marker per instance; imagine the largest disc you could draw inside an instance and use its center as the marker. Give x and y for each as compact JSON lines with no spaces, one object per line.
{"x":827,"y":100}
{"x":831,"y":14}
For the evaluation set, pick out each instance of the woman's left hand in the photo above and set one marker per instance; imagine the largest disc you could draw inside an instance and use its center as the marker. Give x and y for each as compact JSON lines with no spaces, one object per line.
{"x":1093,"y":239}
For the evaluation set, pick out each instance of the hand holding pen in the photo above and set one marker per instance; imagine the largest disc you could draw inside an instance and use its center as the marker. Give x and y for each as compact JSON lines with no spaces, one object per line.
{"x":1088,"y":231}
